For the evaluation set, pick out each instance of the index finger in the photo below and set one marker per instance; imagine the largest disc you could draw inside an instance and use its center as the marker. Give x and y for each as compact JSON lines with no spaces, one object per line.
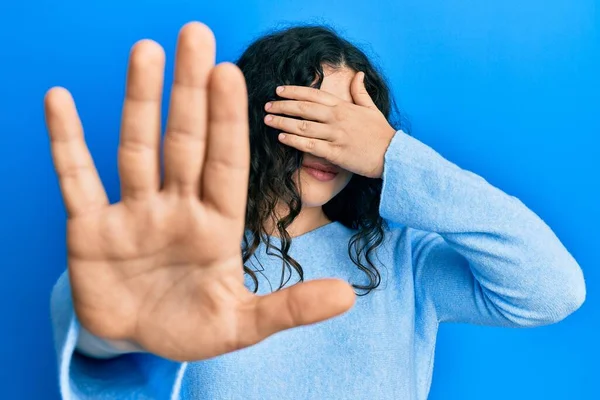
{"x":308,"y":94}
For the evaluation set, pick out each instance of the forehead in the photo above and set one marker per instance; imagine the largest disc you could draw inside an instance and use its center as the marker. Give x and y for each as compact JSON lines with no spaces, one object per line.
{"x":337,"y":81}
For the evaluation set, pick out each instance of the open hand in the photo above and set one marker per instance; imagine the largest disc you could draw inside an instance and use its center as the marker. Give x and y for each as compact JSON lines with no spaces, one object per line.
{"x":163,"y":267}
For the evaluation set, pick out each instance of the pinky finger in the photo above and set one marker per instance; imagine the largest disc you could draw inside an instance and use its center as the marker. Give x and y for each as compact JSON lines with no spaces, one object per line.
{"x":316,"y":147}
{"x":80,"y":184}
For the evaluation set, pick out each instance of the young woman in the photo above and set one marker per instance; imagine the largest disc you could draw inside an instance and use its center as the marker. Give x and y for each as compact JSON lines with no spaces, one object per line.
{"x":188,"y":287}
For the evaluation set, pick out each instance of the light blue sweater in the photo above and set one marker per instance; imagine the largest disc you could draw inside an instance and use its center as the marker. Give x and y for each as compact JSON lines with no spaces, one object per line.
{"x":459,"y":250}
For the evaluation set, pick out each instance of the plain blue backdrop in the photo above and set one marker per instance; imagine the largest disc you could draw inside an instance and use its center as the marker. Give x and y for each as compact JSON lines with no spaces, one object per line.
{"x":509,"y":90}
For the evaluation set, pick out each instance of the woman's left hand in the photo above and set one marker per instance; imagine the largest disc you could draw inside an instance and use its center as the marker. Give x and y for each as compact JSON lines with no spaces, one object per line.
{"x":352,"y":136}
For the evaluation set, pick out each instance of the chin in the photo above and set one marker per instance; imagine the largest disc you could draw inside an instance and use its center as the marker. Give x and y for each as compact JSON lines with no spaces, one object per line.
{"x":316,"y":193}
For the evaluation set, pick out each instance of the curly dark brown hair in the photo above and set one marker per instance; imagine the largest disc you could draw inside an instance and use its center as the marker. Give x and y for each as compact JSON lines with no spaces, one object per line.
{"x":295,"y":56}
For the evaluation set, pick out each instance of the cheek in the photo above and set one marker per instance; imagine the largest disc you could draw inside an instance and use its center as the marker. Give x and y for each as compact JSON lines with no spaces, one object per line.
{"x":342,"y":181}
{"x":345,"y":177}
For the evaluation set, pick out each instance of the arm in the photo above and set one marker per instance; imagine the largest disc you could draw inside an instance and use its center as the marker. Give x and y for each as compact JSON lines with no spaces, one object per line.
{"x":480,"y":255}
{"x":121,"y":375}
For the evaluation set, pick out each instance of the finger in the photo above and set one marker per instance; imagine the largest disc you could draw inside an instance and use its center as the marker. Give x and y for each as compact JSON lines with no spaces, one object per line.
{"x":302,"y":127}
{"x":185,"y":138}
{"x":359,"y":92}
{"x":80,"y":184}
{"x":301,"y":304}
{"x":304,"y":109}
{"x":308,"y":94}
{"x":225,"y":173}
{"x":316,"y":147}
{"x":139,"y":155}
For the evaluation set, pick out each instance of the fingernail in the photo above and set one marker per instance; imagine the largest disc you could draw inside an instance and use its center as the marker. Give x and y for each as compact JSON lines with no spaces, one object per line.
{"x":268,"y":118}
{"x":279,"y":89}
{"x":268,"y":105}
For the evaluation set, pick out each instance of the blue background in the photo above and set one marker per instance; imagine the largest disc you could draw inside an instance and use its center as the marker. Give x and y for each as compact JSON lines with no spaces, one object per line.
{"x":509,"y":90}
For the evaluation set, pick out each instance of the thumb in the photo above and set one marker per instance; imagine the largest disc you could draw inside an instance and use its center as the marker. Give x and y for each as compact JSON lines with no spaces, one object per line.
{"x":301,"y":304}
{"x":359,"y":91}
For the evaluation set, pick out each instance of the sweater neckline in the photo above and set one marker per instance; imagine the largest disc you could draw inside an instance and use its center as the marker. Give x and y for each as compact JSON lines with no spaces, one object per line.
{"x":321,"y":231}
{"x":318,"y":230}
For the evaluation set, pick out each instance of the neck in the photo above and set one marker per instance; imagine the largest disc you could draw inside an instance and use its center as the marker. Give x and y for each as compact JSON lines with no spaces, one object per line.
{"x":310,"y":218}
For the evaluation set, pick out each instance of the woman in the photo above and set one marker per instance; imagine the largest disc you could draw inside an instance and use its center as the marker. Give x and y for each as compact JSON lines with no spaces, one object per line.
{"x":160,"y":300}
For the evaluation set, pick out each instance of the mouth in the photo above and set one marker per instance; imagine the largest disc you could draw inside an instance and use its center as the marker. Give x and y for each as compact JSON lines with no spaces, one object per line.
{"x":322,"y":167}
{"x":319,"y":174}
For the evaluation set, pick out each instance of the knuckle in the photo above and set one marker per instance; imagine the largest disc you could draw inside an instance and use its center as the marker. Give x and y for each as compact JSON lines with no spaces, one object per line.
{"x":311,"y":144}
{"x":303,"y":106}
{"x":72,"y":171}
{"x":279,"y":107}
{"x":135,"y":145}
{"x":304,"y":125}
{"x":338,"y":112}
{"x":182,"y":136}
{"x":330,"y":115}
{"x":277,"y":121}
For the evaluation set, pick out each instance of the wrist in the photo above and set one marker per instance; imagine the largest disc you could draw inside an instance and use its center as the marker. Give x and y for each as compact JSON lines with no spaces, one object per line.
{"x":388,"y":136}
{"x":97,"y":347}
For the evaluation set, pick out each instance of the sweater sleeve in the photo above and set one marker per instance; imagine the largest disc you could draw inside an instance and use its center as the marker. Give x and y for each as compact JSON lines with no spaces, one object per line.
{"x":126,"y":376}
{"x":480,"y":255}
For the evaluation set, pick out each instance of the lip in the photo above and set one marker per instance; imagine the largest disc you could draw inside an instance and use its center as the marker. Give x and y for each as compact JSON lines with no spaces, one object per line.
{"x":319,"y":175}
{"x":322,"y":167}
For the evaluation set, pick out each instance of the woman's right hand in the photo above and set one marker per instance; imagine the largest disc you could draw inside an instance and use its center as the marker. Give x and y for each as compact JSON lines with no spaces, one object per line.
{"x":162,"y":268}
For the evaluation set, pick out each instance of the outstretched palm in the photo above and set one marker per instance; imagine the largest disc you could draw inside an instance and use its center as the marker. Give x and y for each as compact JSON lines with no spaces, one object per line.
{"x":163,"y":267}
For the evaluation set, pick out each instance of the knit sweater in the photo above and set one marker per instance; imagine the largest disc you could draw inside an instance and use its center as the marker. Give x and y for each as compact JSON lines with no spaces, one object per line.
{"x":457,"y":249}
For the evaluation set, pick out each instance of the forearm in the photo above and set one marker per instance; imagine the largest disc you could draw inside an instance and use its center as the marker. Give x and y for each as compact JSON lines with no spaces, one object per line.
{"x":521,"y":266}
